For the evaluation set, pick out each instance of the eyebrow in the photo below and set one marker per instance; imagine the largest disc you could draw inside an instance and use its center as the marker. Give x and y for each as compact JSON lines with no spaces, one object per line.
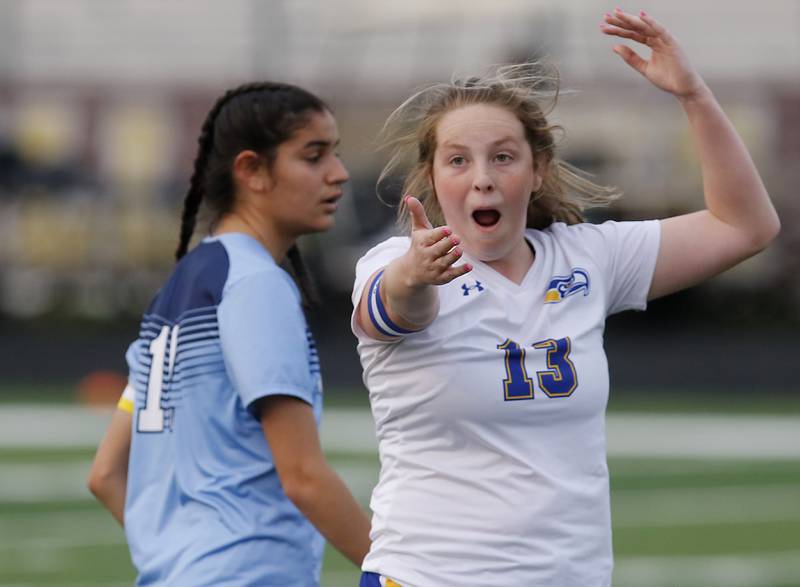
{"x":451,"y":145}
{"x":321,"y":144}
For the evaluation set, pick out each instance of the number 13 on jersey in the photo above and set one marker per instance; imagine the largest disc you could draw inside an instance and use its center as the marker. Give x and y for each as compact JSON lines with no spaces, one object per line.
{"x":558,"y":380}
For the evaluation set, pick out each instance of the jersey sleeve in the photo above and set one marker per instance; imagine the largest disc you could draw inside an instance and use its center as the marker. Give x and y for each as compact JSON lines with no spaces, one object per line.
{"x":263,"y":334}
{"x":376,"y":258}
{"x":630,"y":253}
{"x":126,"y":400}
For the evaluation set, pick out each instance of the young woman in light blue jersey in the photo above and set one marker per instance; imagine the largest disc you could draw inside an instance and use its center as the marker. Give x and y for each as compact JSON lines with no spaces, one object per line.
{"x":213,"y":462}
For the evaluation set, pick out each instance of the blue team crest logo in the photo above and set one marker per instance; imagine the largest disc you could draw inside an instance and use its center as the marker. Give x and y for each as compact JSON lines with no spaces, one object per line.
{"x":563,"y":287}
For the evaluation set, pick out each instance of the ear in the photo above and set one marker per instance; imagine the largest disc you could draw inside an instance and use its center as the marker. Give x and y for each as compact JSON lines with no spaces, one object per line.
{"x":250,"y":171}
{"x":539,"y":169}
{"x":538,"y":180}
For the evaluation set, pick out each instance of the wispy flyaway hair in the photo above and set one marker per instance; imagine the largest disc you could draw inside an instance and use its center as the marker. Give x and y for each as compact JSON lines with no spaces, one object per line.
{"x":530,"y":91}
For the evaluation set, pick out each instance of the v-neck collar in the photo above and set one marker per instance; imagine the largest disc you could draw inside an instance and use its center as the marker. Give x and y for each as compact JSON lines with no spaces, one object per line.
{"x":481,"y":269}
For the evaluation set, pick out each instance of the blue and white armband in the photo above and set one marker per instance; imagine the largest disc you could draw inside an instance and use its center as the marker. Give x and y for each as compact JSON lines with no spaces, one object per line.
{"x":378,"y":314}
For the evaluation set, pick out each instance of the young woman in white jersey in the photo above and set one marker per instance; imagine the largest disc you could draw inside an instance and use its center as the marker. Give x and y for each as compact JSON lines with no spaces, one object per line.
{"x":213,"y":462}
{"x":481,"y":333}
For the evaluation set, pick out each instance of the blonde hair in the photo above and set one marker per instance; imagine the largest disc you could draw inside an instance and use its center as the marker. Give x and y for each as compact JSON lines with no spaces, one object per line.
{"x":530,"y":91}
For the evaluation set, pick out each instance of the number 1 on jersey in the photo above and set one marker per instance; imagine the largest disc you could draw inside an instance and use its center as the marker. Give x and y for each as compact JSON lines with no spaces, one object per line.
{"x":151,"y":416}
{"x":558,"y":380}
{"x":517,"y":384}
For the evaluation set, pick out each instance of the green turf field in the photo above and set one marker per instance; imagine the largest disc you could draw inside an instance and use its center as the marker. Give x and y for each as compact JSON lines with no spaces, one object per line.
{"x":685,"y":520}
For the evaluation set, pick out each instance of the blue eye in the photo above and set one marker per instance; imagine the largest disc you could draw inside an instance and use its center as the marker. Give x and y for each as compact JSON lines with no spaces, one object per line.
{"x":457,"y":161}
{"x":503,"y":157}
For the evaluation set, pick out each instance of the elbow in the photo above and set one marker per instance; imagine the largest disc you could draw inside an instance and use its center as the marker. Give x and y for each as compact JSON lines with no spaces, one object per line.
{"x":766,"y":234}
{"x":775,"y":228}
{"x":100,"y":481}
{"x":301,"y":482}
{"x":94,"y":483}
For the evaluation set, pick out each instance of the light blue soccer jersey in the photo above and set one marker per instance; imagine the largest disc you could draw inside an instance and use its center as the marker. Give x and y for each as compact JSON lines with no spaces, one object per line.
{"x":204,"y":503}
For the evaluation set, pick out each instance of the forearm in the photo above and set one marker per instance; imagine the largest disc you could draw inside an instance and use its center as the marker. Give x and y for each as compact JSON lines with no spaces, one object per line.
{"x":112,"y":495}
{"x":733,"y":189}
{"x":108,"y":477}
{"x":291,"y":431}
{"x":327,"y":503}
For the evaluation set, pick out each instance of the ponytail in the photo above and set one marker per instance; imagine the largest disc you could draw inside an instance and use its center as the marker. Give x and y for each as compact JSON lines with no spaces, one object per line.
{"x":296,"y":267}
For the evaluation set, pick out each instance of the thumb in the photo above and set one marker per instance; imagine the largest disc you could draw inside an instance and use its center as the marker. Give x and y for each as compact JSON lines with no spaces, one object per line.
{"x":419,"y":220}
{"x":630,"y":57}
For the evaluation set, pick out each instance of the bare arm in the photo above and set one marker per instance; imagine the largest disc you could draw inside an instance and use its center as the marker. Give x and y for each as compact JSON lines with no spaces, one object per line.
{"x":408,"y":284}
{"x":108,"y":477}
{"x":308,"y":480}
{"x":739,"y":219}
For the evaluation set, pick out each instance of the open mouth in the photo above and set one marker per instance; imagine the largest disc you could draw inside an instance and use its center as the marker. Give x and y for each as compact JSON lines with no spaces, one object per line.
{"x":486,"y":218}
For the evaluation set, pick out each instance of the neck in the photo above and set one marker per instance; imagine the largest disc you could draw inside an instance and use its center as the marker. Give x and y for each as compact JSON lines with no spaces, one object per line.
{"x":254,"y":225}
{"x":515,"y":265}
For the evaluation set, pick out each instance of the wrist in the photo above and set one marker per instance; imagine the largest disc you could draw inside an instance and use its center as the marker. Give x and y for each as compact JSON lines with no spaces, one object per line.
{"x":699,"y":96}
{"x":403,"y":272}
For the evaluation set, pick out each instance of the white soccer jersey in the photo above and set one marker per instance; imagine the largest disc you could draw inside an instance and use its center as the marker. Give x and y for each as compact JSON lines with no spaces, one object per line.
{"x":490,"y":422}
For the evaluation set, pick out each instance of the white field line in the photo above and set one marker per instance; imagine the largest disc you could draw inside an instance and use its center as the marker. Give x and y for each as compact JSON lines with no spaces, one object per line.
{"x":632,"y":508}
{"x":745,"y":570}
{"x":351,"y":430}
{"x":704,"y":436}
{"x":700,"y":506}
{"x":649,"y":467}
{"x":37,"y":482}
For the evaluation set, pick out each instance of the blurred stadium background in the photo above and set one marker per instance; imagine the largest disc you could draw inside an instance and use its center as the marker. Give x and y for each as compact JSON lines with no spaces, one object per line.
{"x":100,"y":106}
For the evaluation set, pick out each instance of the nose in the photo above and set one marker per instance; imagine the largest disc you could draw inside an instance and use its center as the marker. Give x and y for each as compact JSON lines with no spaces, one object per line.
{"x":482,"y":181}
{"x":338,"y":172}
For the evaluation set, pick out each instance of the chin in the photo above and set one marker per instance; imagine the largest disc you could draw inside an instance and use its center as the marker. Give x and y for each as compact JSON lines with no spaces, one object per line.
{"x":488,"y":254}
{"x":487,"y":245}
{"x":324,"y":224}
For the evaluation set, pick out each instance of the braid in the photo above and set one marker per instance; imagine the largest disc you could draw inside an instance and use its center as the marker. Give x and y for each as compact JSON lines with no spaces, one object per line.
{"x":297,"y":268}
{"x":194,"y":195}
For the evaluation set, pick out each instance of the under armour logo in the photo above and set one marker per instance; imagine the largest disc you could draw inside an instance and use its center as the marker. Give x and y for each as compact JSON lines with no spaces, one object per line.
{"x":467,"y":288}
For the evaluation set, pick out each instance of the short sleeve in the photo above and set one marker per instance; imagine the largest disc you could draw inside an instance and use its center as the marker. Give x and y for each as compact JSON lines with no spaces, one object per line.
{"x":631,"y":251}
{"x":126,"y":400}
{"x":376,"y":258}
{"x":263,"y":335}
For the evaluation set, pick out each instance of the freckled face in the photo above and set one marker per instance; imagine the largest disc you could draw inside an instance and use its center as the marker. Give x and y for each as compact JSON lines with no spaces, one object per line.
{"x":483,"y":176}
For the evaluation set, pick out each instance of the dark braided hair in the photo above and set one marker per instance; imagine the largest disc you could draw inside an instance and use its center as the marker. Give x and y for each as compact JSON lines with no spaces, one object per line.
{"x":256,"y":116}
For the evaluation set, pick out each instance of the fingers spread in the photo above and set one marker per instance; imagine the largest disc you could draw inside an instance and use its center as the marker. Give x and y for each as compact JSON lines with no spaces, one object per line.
{"x":442,"y":246}
{"x":625,"y":34}
{"x":447,"y":260}
{"x":654,"y":25}
{"x":632,"y":22}
{"x":434,"y":236}
{"x":455,"y":273}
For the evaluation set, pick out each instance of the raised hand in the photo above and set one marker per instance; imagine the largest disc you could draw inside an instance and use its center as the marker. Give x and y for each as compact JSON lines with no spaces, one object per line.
{"x":668,"y":67}
{"x":429,"y":260}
